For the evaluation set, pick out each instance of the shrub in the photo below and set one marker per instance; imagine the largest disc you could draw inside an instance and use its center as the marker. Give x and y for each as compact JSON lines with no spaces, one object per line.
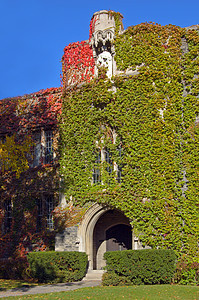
{"x":187,"y":271}
{"x":114,"y":279}
{"x":57,"y":266}
{"x":13,"y":268}
{"x":139,"y":267}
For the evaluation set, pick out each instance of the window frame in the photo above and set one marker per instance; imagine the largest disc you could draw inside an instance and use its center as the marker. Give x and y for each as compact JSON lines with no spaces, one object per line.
{"x":48,"y":149}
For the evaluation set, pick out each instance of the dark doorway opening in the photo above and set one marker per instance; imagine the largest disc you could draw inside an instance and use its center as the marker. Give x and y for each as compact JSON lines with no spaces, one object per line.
{"x":118,"y":238}
{"x":112,"y":232}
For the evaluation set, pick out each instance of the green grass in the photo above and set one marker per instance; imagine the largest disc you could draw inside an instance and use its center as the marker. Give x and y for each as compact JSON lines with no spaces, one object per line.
{"x":150,"y":292}
{"x":6,"y":284}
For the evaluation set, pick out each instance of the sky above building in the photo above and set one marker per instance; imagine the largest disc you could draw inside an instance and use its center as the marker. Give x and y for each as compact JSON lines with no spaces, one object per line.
{"x":34,"y":33}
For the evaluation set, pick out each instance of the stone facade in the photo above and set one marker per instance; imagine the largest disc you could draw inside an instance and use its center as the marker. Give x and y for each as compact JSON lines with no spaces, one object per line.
{"x":90,"y":235}
{"x":67,"y":240}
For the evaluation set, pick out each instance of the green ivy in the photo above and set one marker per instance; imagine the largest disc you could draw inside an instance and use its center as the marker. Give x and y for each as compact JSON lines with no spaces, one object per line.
{"x":153,"y":112}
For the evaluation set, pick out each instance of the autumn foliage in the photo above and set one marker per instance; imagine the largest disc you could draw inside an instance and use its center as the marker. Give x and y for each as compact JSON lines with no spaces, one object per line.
{"x":77,"y":63}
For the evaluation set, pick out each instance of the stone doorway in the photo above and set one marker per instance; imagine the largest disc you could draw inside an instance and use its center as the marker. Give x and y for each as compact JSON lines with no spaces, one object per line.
{"x":99,"y":225}
{"x":102,"y":229}
{"x":112,"y":232}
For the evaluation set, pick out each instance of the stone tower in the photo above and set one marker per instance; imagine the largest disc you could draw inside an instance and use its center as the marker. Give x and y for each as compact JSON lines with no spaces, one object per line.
{"x":103,"y":29}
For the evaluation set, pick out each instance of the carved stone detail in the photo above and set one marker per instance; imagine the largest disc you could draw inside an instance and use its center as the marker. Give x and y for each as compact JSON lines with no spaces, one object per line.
{"x":105,"y":59}
{"x":101,"y":40}
{"x":102,"y":37}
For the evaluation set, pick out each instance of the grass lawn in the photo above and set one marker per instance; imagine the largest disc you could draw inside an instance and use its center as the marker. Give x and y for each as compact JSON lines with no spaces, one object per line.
{"x":152,"y":292}
{"x":10,"y":284}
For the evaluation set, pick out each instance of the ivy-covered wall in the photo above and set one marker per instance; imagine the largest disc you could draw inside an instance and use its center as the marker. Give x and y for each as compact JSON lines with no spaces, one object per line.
{"x":24,"y":193}
{"x":147,"y":119}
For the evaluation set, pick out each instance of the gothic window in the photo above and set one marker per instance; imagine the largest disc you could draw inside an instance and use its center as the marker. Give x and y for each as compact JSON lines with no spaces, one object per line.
{"x":48,"y":147}
{"x":49,"y":209}
{"x":96,"y":170}
{"x":119,"y":167}
{"x":109,"y":161}
{"x":42,"y":149}
{"x":119,"y":174}
{"x":105,"y":156}
{"x":8,"y":215}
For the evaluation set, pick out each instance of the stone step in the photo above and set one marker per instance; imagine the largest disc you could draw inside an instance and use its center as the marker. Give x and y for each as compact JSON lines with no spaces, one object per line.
{"x":94,"y":275}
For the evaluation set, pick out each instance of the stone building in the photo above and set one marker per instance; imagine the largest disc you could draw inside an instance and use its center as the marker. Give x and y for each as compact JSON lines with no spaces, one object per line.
{"x":103,"y":227}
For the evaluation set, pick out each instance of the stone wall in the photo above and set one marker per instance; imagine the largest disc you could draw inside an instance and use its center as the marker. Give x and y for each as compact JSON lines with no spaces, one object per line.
{"x":67,"y":240}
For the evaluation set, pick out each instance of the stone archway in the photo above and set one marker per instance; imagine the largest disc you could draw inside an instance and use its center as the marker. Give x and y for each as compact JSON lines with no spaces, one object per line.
{"x":100,"y":227}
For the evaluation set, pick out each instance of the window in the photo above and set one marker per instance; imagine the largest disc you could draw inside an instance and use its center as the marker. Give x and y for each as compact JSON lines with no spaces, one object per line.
{"x":36,"y":150}
{"x":49,"y":209}
{"x":45,"y":206}
{"x":48,"y":147}
{"x":42,"y":150}
{"x":112,"y":168}
{"x":109,"y":161}
{"x":8,"y":215}
{"x":96,"y":170}
{"x":119,"y":167}
{"x":119,"y":174}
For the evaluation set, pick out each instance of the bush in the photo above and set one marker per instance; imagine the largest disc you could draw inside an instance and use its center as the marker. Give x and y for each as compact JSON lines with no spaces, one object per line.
{"x":13,"y":268}
{"x":113,"y":279}
{"x":139,"y":267}
{"x":187,"y":271}
{"x":57,"y":266}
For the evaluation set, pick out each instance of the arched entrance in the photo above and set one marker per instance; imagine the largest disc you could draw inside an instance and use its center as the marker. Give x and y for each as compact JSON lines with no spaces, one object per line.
{"x":112,"y":232}
{"x":103,"y":229}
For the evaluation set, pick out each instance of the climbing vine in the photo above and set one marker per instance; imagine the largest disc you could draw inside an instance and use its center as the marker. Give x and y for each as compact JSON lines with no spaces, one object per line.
{"x":25,"y":114}
{"x":191,"y":141}
{"x":21,"y":117}
{"x":118,"y":21}
{"x":77,"y":63}
{"x":145,"y":119}
{"x":150,"y":113}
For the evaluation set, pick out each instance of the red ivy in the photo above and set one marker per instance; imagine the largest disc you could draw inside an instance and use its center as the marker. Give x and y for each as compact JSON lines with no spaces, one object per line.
{"x":78,"y":63}
{"x":30,"y":111}
{"x":92,"y":27}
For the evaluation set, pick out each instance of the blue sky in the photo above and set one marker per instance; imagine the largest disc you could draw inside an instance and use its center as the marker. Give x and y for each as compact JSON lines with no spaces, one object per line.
{"x":33,"y":34}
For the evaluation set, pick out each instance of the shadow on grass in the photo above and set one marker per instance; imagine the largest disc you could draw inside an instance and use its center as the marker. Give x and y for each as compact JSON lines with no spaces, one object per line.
{"x":9,"y":284}
{"x":26,"y":287}
{"x":19,"y":287}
